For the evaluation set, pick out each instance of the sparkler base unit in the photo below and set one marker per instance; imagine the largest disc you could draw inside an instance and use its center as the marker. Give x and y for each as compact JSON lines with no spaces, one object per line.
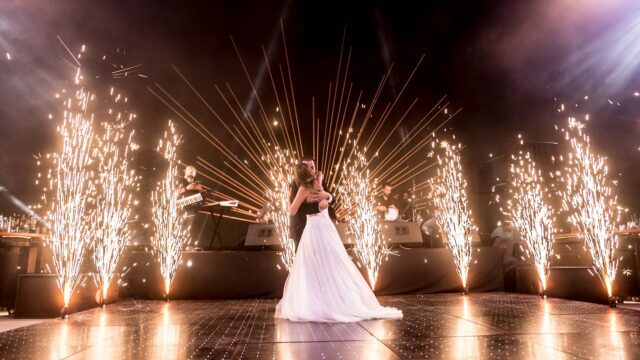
{"x":64,"y":313}
{"x":613,"y":301}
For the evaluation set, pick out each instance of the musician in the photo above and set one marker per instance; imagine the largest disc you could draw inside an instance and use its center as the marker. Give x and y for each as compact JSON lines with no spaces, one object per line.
{"x":405,"y":205}
{"x":385,"y":200}
{"x":507,"y":237}
{"x":190,"y":185}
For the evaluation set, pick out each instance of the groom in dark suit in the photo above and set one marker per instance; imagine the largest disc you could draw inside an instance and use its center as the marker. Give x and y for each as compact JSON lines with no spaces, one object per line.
{"x":298,"y":221}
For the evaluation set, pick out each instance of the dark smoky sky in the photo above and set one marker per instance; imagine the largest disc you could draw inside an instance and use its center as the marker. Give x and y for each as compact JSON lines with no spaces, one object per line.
{"x":508,"y":64}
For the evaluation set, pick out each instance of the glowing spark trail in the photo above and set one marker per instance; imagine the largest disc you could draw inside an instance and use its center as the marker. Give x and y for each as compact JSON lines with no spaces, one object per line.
{"x":347,"y":118}
{"x":281,"y":177}
{"x":115,"y":183}
{"x":72,"y":187}
{"x":171,"y":233}
{"x":593,"y":207}
{"x":358,"y":196}
{"x":451,"y":206}
{"x":532,"y":216}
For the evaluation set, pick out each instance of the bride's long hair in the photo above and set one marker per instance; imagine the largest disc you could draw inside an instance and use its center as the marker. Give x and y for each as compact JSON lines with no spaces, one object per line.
{"x":304,"y":176}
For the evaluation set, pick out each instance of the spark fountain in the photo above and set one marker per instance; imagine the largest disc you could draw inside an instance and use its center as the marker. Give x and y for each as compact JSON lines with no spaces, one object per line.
{"x":72,"y":188}
{"x":116,"y":182}
{"x":588,"y":197}
{"x":281,"y":177}
{"x":171,"y":232}
{"x":449,"y":197}
{"x":529,"y":209}
{"x":358,"y":196}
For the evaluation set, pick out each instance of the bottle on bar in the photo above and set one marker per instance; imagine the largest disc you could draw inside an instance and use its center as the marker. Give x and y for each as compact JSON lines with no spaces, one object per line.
{"x":12,"y":222}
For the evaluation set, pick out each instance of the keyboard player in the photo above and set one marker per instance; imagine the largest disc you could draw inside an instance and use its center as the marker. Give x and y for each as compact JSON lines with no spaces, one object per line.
{"x":189,"y":187}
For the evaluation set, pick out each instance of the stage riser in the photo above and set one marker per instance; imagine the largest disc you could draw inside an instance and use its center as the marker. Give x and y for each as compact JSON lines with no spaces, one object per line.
{"x":238,"y":274}
{"x":575,"y":283}
{"x":38,"y":296}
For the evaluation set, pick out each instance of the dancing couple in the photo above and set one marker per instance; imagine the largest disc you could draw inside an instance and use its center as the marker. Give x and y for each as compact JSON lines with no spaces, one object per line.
{"x":323,"y":285}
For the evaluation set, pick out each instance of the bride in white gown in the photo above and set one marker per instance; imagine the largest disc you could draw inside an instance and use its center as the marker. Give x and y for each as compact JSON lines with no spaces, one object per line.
{"x":324,"y":285}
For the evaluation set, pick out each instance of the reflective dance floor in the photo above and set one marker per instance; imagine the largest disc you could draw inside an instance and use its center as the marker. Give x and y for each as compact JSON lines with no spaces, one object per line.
{"x":449,"y":326}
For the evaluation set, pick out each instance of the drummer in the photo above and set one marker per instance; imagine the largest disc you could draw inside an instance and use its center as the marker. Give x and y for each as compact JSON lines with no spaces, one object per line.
{"x":385,"y":203}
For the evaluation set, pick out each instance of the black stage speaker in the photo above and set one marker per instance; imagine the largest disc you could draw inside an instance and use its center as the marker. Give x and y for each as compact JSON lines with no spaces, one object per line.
{"x":400,"y":232}
{"x":259,"y":235}
{"x":394,"y":233}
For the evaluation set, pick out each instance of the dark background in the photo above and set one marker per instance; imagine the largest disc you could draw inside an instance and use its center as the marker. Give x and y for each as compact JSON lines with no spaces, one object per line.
{"x":508,"y":64}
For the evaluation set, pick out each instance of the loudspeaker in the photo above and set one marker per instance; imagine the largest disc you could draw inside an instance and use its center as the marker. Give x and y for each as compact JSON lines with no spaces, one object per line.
{"x":400,"y":232}
{"x":262,"y":235}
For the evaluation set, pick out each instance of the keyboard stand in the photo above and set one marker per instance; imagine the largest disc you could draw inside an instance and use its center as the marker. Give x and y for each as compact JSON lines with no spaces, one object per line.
{"x":217,"y":219}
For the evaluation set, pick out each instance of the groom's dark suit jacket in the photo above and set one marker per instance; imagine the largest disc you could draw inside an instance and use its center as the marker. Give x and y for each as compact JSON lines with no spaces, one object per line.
{"x":298,"y":221}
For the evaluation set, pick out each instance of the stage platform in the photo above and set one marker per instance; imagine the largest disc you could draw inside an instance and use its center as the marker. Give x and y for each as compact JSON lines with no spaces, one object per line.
{"x":435,"y":326}
{"x":250,"y":274}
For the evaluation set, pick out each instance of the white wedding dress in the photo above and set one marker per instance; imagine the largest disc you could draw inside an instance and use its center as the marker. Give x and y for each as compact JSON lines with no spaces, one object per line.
{"x":324,"y":285}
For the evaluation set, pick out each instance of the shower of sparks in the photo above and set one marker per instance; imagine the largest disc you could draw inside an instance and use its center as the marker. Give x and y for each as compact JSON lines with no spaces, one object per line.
{"x":282,"y":171}
{"x":449,"y":197}
{"x":116,"y":181}
{"x":358,"y":196}
{"x":90,"y":183}
{"x":588,"y":197}
{"x":249,"y":140}
{"x":171,"y":232}
{"x":72,"y":187}
{"x":529,"y":209}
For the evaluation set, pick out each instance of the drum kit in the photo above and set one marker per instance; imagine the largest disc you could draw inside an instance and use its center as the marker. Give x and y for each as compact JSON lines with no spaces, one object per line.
{"x":392,"y":214}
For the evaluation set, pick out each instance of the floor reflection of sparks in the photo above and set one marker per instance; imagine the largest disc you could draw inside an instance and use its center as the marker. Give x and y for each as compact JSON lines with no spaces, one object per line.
{"x":103,"y":324}
{"x":464,"y":327}
{"x":167,"y":337}
{"x":547,"y":326}
{"x":466,"y":347}
{"x":615,"y":337}
{"x":63,"y":344}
